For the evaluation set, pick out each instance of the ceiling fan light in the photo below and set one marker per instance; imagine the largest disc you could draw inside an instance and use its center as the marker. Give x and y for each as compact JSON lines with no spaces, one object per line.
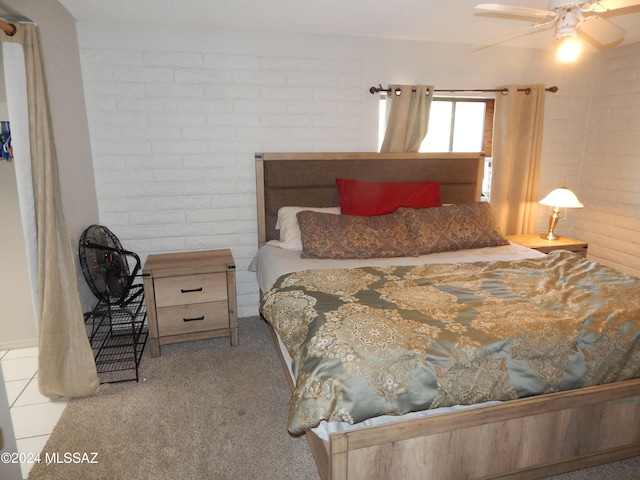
{"x":569,"y":49}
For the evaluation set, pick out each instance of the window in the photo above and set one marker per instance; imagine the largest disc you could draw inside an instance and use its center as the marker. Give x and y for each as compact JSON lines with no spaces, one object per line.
{"x":457,"y":124}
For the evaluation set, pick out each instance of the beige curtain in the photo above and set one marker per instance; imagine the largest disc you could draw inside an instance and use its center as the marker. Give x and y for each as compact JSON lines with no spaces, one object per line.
{"x":517,"y":145}
{"x":408,"y":117}
{"x":65,"y":365}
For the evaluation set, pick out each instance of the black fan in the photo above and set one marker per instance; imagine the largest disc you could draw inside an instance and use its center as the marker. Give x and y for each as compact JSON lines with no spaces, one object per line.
{"x":105,"y":266}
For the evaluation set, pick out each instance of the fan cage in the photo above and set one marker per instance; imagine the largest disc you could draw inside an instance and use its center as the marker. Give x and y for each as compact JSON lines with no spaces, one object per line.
{"x":105,"y":264}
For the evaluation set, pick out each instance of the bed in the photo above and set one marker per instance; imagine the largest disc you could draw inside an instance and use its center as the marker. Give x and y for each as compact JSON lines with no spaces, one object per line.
{"x":560,"y":429}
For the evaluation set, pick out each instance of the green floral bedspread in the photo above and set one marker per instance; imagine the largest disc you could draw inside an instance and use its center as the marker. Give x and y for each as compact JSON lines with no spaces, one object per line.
{"x":371,"y":341}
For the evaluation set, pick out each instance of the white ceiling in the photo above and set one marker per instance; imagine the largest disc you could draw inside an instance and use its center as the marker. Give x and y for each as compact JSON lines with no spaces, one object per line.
{"x":430,"y":20}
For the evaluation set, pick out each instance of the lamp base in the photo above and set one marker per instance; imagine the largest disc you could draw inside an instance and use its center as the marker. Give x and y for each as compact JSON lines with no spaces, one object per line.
{"x":550,"y":236}
{"x":553,"y":221}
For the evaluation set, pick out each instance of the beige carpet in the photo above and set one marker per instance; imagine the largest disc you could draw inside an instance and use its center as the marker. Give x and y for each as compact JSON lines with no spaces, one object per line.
{"x":203,"y":410}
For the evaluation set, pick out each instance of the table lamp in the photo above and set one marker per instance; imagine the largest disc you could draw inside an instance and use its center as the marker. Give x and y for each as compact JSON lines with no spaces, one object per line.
{"x":557,"y":199}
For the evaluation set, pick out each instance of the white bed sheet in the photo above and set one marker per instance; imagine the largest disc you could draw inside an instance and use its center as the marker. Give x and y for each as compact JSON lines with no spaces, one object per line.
{"x":271,"y":262}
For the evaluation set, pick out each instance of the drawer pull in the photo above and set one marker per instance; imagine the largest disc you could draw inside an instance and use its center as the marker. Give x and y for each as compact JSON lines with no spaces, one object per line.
{"x":193,"y":319}
{"x":190,"y":290}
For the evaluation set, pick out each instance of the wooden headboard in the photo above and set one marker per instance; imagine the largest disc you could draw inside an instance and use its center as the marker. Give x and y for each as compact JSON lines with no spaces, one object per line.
{"x":309,"y":179}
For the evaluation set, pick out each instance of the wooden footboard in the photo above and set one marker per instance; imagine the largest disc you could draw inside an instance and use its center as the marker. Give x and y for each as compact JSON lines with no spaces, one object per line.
{"x":526,"y":438}
{"x":520,"y":439}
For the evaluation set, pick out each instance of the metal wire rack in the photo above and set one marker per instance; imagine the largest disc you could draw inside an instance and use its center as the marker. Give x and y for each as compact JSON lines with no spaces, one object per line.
{"x":118,"y":334}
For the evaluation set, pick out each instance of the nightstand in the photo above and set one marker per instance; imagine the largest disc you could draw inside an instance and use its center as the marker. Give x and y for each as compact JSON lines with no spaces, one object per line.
{"x":543,"y":245}
{"x":190,"y":296}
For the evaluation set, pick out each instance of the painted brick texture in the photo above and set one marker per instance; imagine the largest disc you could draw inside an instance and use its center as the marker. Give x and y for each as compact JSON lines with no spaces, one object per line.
{"x":174,"y":136}
{"x":610,"y":182}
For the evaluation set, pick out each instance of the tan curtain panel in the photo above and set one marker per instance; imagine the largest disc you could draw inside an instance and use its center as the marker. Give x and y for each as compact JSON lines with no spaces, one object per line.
{"x":408,"y":117}
{"x":517,"y":147}
{"x":66,"y":367}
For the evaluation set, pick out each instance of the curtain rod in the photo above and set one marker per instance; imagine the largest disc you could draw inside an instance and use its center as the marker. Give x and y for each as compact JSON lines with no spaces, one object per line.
{"x":504,"y":91}
{"x":8,"y":28}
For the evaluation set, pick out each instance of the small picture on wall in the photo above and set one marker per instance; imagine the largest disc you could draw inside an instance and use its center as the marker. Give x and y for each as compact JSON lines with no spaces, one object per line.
{"x":6,"y":153}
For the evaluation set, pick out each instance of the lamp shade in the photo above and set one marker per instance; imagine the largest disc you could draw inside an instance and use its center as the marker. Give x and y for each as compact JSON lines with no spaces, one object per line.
{"x":562,"y":198}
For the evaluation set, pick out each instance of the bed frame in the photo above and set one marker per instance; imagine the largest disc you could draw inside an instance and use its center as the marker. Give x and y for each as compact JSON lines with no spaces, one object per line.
{"x":525,"y":438}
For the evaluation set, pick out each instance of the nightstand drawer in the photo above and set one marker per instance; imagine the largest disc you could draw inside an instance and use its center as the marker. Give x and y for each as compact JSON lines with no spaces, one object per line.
{"x":188,"y":289}
{"x":197,"y":317}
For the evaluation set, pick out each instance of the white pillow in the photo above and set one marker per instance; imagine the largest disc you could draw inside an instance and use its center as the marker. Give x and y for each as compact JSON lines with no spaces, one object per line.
{"x":290,"y":236}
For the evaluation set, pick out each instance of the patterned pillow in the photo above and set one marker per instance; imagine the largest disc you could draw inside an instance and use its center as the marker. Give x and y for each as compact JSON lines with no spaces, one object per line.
{"x":454,"y":227}
{"x":348,"y":236}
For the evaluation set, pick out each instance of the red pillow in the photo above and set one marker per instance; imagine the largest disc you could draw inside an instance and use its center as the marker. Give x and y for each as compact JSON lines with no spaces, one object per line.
{"x":379,"y":198}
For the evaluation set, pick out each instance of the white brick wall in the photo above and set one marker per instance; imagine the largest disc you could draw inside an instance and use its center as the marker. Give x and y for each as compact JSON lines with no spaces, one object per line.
{"x":610,"y":185}
{"x":174,"y":136}
{"x":566,"y":120}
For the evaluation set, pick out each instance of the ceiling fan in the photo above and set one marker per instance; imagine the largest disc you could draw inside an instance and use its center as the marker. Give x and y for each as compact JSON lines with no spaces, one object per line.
{"x":569,"y":19}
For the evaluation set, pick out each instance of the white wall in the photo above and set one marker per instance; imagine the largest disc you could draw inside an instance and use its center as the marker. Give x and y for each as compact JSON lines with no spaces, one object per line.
{"x":17,"y":322}
{"x":564,"y":138}
{"x":175,"y":120}
{"x":610,"y":186}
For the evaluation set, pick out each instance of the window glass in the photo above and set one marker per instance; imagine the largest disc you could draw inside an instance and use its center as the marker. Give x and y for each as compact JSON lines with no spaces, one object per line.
{"x":456,"y":125}
{"x":469,"y":127}
{"x":439,"y":132}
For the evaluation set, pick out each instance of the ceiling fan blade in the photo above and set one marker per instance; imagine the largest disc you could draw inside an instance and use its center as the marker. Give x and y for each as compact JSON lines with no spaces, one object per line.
{"x":527,"y":31}
{"x":517,"y":11}
{"x":609,"y":5}
{"x":601,"y":30}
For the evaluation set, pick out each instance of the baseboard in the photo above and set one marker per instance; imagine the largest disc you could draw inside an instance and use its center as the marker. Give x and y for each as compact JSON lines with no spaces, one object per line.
{"x":18,"y":344}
